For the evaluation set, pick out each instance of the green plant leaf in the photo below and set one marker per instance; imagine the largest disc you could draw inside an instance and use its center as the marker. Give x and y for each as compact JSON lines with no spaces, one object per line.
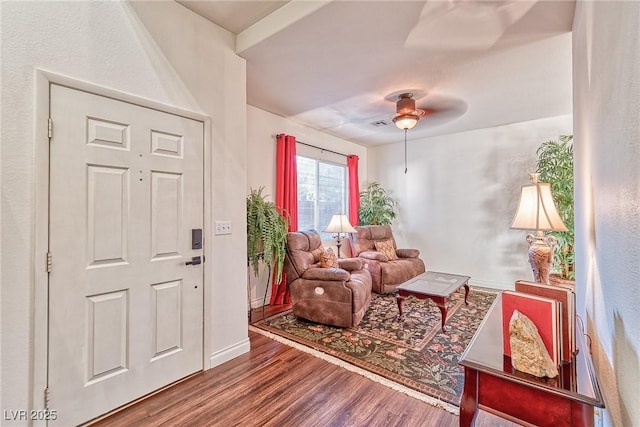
{"x":267,"y":232}
{"x":555,"y":166}
{"x":376,"y":206}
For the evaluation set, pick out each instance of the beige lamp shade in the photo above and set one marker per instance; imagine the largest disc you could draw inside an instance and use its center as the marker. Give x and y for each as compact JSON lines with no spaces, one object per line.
{"x":340,"y":224}
{"x":536,"y":210}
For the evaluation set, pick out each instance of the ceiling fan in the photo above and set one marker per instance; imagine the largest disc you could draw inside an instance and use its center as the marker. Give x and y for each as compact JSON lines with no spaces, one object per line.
{"x":407,"y":115}
{"x":439,"y":110}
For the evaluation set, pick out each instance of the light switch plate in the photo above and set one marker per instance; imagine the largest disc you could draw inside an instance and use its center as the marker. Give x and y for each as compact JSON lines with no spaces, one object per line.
{"x":223,"y":227}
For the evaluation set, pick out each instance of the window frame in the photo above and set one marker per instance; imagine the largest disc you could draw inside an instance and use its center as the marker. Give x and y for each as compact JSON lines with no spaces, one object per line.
{"x":345,"y":183}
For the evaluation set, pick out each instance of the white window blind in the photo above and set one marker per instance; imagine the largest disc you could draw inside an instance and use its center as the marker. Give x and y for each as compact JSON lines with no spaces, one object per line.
{"x":322,"y":192}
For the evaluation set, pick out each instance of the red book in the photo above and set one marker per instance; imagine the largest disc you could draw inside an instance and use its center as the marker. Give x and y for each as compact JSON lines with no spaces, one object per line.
{"x":543,"y":312}
{"x":567,"y":299}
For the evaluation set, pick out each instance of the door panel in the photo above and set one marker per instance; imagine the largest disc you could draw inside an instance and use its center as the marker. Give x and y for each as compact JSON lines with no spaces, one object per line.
{"x":167,"y":318}
{"x":107,"y":215}
{"x":125,"y":311}
{"x":166,"y":214}
{"x":107,"y":343}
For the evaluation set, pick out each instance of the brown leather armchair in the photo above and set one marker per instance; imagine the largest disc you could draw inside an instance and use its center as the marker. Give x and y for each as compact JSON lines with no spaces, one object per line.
{"x":332,"y":296}
{"x":386,"y":274}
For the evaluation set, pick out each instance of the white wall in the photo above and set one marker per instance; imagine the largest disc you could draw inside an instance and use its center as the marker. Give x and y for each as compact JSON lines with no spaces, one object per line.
{"x":262,"y":128}
{"x":155,"y":50}
{"x":606,"y":55}
{"x":458,"y":198}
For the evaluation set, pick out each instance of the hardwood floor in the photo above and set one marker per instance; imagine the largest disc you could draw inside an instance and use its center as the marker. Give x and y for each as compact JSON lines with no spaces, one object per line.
{"x":276,"y":385}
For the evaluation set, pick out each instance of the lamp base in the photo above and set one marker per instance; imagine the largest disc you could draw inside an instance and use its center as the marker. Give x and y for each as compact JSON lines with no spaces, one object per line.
{"x":338,"y":244}
{"x":541,"y":250}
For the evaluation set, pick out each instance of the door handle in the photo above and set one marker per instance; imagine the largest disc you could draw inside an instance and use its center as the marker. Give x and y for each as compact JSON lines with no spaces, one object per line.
{"x":194,"y":261}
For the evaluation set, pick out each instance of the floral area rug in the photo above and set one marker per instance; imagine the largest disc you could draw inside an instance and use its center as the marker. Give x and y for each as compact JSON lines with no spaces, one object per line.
{"x":411,"y":354}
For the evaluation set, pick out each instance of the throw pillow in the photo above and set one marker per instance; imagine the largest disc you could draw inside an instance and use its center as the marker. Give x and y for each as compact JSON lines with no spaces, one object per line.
{"x":328,"y":259}
{"x":386,"y":248}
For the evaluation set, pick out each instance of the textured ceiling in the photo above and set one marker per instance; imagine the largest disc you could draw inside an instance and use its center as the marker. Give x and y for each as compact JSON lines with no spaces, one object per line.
{"x":338,"y":66}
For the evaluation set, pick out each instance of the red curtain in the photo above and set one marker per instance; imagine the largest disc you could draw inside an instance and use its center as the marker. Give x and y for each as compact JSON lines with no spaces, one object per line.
{"x":354,"y":189}
{"x":287,"y":200}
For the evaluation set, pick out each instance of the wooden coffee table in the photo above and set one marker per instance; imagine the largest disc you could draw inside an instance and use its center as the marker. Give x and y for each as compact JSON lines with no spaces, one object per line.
{"x":437,"y":287}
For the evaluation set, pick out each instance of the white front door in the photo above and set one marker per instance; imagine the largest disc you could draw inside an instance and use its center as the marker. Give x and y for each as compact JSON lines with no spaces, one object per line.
{"x":125,"y":310}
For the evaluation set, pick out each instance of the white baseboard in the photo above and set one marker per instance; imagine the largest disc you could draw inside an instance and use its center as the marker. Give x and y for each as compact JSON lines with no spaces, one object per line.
{"x":501,"y":286}
{"x":259,"y":302}
{"x":224,"y":355}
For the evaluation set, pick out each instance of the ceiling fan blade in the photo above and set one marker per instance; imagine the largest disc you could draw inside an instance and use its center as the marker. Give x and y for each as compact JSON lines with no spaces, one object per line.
{"x":442,"y":110}
{"x":465,"y":25}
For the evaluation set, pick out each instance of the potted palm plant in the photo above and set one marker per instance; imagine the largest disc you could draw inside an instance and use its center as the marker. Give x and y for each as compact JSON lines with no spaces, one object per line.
{"x":376,"y":206}
{"x":266,"y":234}
{"x":555,"y":165}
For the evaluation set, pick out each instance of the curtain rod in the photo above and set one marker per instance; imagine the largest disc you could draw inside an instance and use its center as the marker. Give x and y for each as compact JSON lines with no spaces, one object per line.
{"x":320,"y":148}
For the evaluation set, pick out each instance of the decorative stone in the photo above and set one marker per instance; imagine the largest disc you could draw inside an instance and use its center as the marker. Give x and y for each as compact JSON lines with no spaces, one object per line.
{"x":528,"y":353}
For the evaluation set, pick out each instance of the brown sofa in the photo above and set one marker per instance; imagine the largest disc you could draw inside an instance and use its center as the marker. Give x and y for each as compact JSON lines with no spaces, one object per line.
{"x":332,"y":296}
{"x":386,"y":274}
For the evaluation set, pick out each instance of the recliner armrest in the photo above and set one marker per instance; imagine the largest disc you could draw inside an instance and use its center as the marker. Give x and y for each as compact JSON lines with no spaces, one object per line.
{"x":351,"y":264}
{"x":377,"y":256}
{"x":336,"y":274}
{"x":407,"y":253}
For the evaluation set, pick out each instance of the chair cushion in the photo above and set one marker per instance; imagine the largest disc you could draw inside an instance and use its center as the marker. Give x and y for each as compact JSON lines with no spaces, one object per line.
{"x":377,"y":256}
{"x":303,"y":250}
{"x":335,"y":274}
{"x":386,"y":247}
{"x":351,"y":264}
{"x":328,"y":259}
{"x":365,"y":238}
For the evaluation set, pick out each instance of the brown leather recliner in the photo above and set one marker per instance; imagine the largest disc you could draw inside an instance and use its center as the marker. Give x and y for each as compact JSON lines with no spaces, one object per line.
{"x":332,"y":296}
{"x":386,"y":274}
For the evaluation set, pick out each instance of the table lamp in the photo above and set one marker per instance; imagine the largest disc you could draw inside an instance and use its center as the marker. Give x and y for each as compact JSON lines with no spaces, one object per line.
{"x":537,"y":212}
{"x":339,"y":225}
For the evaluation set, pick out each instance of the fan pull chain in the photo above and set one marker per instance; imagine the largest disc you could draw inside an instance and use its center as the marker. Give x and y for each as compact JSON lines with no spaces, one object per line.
{"x":405,"y":150}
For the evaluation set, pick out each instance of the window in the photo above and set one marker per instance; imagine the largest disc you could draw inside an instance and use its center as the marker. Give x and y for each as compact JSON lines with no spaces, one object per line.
{"x":322,"y":192}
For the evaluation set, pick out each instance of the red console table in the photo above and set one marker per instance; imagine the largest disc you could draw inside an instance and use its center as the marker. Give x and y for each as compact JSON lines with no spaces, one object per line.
{"x":491,"y":383}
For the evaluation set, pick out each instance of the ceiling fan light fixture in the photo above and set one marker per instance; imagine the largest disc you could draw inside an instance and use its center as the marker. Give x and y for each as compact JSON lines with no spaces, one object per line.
{"x":406,"y":121}
{"x":405,"y":104}
{"x":407,"y":115}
